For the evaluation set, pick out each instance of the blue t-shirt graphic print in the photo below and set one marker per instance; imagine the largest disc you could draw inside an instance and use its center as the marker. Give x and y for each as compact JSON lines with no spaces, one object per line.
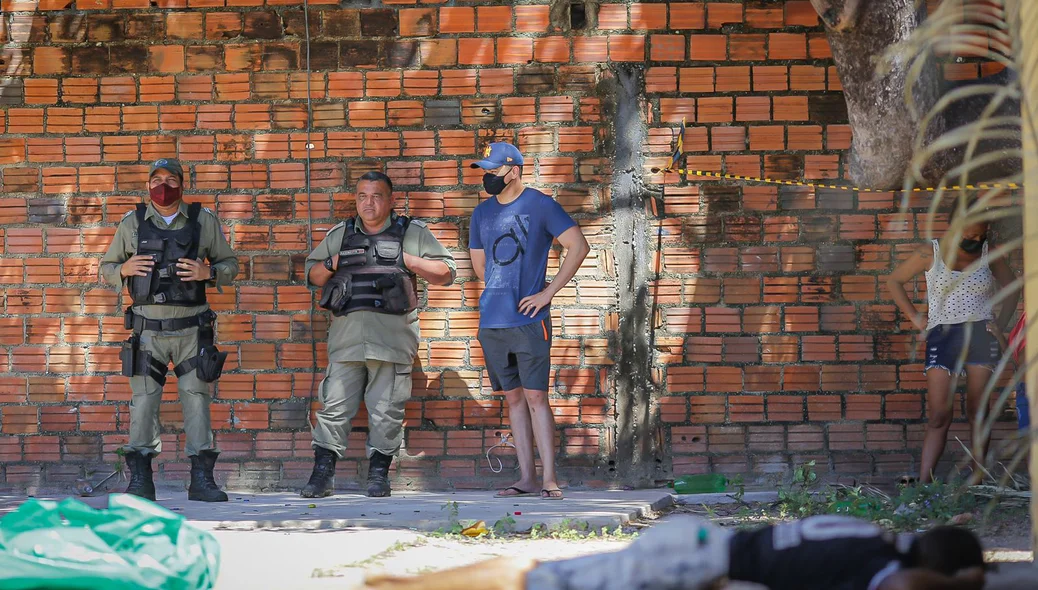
{"x":516,"y":239}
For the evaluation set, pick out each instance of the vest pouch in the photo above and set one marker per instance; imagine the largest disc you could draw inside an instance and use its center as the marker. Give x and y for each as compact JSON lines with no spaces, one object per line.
{"x":353,"y":257}
{"x":396,"y":294}
{"x":128,"y":354}
{"x":210,"y":363}
{"x":183,"y":247}
{"x":336,"y":293}
{"x":387,"y":253}
{"x":141,"y":288}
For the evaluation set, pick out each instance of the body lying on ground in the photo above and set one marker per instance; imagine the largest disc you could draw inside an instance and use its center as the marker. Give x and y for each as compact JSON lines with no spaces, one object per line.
{"x":689,"y":553}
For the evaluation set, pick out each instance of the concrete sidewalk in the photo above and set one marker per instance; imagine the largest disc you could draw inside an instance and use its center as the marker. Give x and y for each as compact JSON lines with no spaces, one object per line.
{"x":418,"y":511}
{"x":280,"y":540}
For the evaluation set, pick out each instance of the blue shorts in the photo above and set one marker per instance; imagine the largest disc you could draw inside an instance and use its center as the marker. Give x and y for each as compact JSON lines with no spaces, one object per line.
{"x":1023,"y":411}
{"x":945,"y":344}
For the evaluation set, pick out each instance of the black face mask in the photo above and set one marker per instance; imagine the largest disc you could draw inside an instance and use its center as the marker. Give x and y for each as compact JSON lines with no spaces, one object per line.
{"x":494,"y":184}
{"x":973,"y":246}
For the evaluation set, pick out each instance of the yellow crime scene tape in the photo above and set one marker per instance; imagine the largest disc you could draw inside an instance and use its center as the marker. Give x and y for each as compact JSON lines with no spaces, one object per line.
{"x":702,"y":173}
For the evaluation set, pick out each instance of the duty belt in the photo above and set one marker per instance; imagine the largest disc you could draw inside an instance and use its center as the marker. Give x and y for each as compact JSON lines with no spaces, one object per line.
{"x":140,"y":324}
{"x":209,"y":360}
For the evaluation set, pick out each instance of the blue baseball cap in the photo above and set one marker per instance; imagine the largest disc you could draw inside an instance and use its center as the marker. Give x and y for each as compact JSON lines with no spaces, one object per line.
{"x":499,"y":154}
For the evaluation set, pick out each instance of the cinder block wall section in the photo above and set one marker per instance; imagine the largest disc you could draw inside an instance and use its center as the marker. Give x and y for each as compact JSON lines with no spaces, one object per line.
{"x":774,"y":341}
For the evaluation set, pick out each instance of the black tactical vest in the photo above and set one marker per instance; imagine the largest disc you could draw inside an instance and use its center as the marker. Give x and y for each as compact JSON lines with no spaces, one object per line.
{"x":371,"y":275}
{"x":162,"y":286}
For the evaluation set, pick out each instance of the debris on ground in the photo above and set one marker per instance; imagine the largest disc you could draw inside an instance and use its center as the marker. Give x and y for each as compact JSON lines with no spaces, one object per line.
{"x":133,"y":545}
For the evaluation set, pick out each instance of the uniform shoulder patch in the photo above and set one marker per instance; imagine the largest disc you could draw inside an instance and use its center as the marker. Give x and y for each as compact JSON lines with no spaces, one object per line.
{"x":339,"y":225}
{"x":418,"y":222}
{"x":127,"y":214}
{"x":209,"y":211}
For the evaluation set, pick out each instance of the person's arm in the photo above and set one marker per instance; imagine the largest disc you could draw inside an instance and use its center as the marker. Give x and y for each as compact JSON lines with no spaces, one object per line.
{"x":501,"y":573}
{"x":905,"y":272}
{"x":316,"y":274}
{"x":1005,"y":277}
{"x":577,"y":249}
{"x":434,"y":263}
{"x":477,"y":256}
{"x":119,"y":261}
{"x":479,"y":263}
{"x":925,"y":579}
{"x":221,"y":257}
{"x":435,"y":272}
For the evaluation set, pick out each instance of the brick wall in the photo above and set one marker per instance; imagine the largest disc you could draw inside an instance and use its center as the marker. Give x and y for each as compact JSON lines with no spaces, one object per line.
{"x":775,"y":339}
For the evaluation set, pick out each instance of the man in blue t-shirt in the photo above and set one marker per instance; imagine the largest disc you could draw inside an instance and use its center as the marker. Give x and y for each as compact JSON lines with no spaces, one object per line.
{"x":509,"y":239}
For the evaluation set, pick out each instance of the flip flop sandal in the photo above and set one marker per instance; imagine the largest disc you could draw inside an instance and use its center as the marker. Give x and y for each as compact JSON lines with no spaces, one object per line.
{"x":549,"y":494}
{"x":518,"y":493}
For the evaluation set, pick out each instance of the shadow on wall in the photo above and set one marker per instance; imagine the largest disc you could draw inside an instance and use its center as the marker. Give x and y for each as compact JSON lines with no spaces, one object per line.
{"x":16,"y":60}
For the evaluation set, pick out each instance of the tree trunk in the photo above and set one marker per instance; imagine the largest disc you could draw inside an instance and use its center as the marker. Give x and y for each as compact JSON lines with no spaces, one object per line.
{"x":885,"y":129}
{"x":635,"y":422}
{"x":1027,"y":37}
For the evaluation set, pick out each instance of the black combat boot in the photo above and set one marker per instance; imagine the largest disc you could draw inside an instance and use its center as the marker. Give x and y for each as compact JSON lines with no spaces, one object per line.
{"x":378,"y":475}
{"x":141,"y":482}
{"x":322,"y":480}
{"x":203,"y":486}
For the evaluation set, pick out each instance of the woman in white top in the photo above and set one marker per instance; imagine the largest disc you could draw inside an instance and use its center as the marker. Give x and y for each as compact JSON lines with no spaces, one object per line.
{"x":958,"y":328}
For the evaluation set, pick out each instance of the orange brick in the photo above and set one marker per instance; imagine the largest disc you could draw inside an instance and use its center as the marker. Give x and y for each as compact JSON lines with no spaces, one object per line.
{"x":698,"y":80}
{"x":476,"y":51}
{"x":494,"y":19}
{"x":648,"y":16}
{"x":531,"y":18}
{"x":418,"y":22}
{"x":552,"y":49}
{"x":590,"y":49}
{"x":667,"y":48}
{"x":687,"y":15}
{"x":460,"y":19}
{"x":612,"y":16}
{"x":790,"y":108}
{"x":511,"y":50}
{"x":719,"y":14}
{"x":787,"y":46}
{"x":714,"y":110}
{"x":746,"y":47}
{"x":439,"y":52}
{"x":709,"y":47}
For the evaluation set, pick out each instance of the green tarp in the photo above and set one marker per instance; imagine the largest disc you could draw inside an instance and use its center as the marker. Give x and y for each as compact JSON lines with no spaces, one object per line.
{"x":133,"y":545}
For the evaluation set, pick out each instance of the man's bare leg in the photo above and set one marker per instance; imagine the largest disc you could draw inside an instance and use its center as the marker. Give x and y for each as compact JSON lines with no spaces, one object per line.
{"x":523,"y":436}
{"x":544,"y":433}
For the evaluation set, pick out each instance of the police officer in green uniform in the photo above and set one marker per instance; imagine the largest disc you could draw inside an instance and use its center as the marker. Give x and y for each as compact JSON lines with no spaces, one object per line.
{"x":366,"y":269}
{"x":165,"y":254}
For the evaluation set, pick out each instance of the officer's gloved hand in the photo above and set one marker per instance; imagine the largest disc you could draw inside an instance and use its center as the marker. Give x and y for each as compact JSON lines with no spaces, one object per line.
{"x":336,"y":293}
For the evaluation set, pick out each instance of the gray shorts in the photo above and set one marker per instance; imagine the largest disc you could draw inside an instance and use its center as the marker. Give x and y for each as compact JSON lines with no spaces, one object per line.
{"x":519,"y":356}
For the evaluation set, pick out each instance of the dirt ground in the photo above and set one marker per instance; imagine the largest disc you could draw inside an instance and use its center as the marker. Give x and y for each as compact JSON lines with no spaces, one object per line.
{"x":1005,"y":532}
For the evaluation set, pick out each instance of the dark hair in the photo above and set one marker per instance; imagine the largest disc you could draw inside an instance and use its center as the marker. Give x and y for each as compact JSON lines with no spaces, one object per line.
{"x":954,"y":211}
{"x":375,"y":176}
{"x":946,"y":549}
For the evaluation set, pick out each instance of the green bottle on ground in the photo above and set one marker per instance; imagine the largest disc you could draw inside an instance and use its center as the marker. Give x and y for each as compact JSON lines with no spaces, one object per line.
{"x":704,"y":483}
